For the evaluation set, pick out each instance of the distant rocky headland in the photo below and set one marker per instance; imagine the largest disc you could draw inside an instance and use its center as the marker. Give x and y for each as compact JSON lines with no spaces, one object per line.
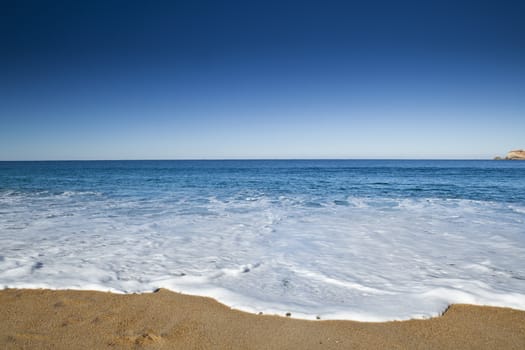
{"x":518,"y":154}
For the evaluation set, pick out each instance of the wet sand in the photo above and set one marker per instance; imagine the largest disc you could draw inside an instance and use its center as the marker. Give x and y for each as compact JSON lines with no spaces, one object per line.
{"x":45,"y":319}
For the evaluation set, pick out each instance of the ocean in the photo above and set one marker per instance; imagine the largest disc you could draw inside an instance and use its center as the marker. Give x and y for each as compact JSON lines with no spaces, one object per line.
{"x":368,"y":240}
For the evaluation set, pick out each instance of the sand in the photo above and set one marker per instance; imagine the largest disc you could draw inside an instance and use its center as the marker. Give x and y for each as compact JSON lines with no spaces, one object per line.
{"x":45,"y":319}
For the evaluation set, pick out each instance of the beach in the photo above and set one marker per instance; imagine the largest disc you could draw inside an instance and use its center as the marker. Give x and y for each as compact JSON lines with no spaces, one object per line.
{"x":362,"y":254}
{"x":49,"y":319}
{"x":262,"y":175}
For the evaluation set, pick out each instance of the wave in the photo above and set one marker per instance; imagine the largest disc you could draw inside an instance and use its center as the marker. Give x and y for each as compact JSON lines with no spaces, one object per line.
{"x":333,"y":256}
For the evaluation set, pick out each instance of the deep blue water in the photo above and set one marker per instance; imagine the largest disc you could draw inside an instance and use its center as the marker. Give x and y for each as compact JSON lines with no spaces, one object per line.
{"x":501,"y":181}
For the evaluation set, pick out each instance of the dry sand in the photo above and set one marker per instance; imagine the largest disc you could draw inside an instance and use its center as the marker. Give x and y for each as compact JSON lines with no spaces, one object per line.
{"x":44,"y":319}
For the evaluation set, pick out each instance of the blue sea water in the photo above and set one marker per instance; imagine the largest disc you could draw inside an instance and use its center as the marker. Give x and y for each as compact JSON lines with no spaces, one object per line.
{"x":350,"y":239}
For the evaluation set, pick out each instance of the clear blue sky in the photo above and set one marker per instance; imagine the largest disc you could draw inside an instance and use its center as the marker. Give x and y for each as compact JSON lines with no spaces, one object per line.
{"x":249,"y":79}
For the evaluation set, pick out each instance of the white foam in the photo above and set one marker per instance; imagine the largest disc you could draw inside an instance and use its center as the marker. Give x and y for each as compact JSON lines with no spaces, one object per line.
{"x":370,"y":260}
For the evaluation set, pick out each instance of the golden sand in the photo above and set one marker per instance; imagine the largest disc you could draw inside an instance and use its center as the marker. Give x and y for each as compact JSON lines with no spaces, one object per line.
{"x":45,"y":319}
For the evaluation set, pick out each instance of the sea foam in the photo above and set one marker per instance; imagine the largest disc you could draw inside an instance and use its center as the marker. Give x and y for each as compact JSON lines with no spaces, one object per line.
{"x":334,"y":257}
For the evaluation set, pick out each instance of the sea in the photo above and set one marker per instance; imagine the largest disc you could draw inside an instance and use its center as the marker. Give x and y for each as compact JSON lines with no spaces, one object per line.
{"x":366,"y":240}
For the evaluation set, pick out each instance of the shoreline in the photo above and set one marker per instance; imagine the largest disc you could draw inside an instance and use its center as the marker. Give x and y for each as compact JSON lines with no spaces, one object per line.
{"x":71,"y":319}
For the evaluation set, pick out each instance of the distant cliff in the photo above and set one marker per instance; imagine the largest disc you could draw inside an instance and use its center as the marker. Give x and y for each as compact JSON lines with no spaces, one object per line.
{"x":518,"y":154}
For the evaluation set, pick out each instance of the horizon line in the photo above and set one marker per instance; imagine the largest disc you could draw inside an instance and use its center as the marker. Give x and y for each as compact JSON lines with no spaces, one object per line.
{"x":226,"y":159}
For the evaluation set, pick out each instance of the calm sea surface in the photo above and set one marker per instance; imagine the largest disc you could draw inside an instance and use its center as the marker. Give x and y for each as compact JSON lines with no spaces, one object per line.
{"x":349,"y":239}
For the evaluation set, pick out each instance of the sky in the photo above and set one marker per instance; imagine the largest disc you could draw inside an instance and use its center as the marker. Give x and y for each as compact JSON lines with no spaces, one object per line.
{"x":261,"y":79}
